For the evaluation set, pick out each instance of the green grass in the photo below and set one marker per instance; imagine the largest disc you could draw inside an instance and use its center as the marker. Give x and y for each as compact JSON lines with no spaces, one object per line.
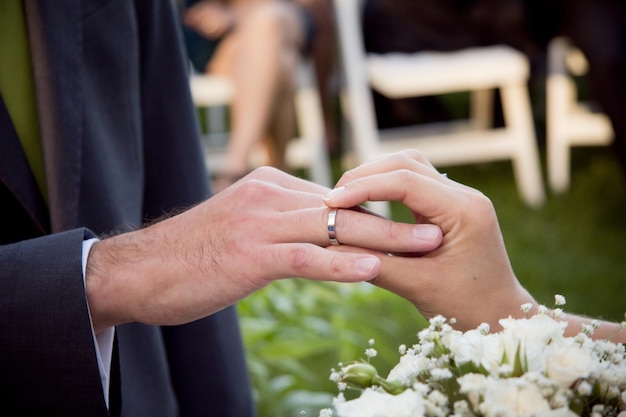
{"x":574,"y":245}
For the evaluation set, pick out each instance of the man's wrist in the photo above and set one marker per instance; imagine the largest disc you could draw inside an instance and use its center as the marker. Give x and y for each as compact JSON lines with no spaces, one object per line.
{"x":99,"y":277}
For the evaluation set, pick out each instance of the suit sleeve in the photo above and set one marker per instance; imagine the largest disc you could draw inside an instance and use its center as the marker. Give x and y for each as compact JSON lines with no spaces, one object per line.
{"x":46,"y":342}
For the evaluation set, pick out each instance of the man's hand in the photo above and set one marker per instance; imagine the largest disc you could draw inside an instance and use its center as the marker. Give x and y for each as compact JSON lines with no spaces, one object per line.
{"x":267,"y":226}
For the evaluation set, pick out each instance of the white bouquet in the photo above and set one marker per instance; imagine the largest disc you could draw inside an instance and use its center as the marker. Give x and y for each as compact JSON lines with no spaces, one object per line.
{"x":528,"y":369}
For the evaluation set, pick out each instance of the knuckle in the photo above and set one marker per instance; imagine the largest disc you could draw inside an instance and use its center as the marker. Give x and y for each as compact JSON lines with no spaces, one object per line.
{"x":256,"y":188}
{"x":265,"y":172}
{"x":482,"y":203}
{"x":405,"y":176}
{"x":415,"y":154}
{"x":482,"y":208}
{"x":298,"y":258}
{"x":390,"y":231}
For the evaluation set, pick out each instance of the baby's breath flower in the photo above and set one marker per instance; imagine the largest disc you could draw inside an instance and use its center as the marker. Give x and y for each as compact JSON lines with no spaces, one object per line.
{"x":421,"y":388}
{"x":559,"y":300}
{"x":340,"y":398}
{"x":370,"y":342}
{"x":561,"y":399}
{"x":439,"y":374}
{"x":527,"y":307}
{"x":370,"y":352}
{"x":437,"y":321}
{"x":613,"y":392}
{"x":453,"y":320}
{"x":335,"y":376}
{"x":541,"y":309}
{"x":581,"y":338}
{"x":461,"y":407}
{"x":427,"y":348}
{"x":588,"y":329}
{"x":341,"y":386}
{"x":483,"y":328}
{"x":402,"y":349}
{"x":437,"y":398}
{"x":326,"y":412}
{"x":584,"y":388}
{"x":557,"y":313}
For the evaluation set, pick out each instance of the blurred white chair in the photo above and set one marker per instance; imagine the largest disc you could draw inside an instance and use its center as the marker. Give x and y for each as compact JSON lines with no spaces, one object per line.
{"x":477,"y":70}
{"x":307,"y":151}
{"x":569,"y":121}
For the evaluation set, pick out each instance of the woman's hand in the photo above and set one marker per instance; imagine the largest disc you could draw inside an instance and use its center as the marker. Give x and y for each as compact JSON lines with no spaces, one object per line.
{"x":469,"y":276}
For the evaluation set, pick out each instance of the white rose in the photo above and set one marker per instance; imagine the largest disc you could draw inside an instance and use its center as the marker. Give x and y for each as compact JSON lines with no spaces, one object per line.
{"x":408,"y":369}
{"x":373,"y":403}
{"x":513,"y":397}
{"x":473,"y":385}
{"x":485,"y":350}
{"x":530,"y":337}
{"x":463,"y":346}
{"x":566,"y":364}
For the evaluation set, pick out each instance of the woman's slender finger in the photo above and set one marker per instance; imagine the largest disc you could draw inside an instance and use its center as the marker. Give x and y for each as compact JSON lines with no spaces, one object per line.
{"x":410,"y":159}
{"x":428,"y":196}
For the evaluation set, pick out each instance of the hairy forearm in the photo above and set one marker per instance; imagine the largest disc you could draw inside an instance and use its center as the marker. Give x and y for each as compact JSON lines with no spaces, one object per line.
{"x":110,"y":262}
{"x":136,"y":277}
{"x":164,"y":274}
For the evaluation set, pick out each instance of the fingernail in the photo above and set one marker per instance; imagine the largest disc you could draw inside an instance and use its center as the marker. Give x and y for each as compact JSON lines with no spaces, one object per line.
{"x":426,"y":232}
{"x":333,"y":193}
{"x":367,"y":265}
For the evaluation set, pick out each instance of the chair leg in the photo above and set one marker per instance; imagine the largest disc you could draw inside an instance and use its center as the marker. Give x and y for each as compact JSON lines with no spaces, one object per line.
{"x":559,"y":92}
{"x":558,"y":155}
{"x":481,"y":109}
{"x":525,"y":154}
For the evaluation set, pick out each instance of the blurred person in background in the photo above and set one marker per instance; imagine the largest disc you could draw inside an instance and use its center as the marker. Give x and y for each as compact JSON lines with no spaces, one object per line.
{"x":259,"y":45}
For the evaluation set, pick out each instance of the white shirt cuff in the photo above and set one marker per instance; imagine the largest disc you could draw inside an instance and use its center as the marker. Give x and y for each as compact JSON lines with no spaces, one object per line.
{"x":103,"y":341}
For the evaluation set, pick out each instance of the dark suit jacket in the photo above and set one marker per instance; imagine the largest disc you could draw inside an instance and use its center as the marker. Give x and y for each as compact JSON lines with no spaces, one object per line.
{"x":121,"y":146}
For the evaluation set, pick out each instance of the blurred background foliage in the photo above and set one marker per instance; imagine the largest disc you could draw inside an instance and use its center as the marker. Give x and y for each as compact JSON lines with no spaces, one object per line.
{"x":295,"y":331}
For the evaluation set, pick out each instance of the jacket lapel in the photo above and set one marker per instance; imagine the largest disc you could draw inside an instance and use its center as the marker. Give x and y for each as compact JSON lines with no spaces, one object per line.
{"x":55,"y":39}
{"x":16,"y":175}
